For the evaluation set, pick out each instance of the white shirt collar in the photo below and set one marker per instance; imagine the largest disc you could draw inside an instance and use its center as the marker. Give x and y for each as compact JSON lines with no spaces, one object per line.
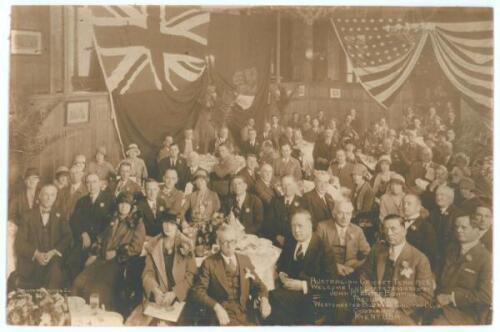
{"x":305,"y":245}
{"x":226,"y":258}
{"x":468,"y":246}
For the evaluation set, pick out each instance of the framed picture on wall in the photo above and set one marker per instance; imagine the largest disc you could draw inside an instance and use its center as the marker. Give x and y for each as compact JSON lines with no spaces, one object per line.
{"x":26,"y":42}
{"x":77,"y":112}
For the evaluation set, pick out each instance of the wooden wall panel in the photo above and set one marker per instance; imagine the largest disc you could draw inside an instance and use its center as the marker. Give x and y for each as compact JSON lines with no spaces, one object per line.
{"x":74,"y":139}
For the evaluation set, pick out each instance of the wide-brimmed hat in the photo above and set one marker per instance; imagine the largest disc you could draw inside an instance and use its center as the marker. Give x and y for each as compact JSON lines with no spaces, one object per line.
{"x":62,"y":170}
{"x":125,"y":197}
{"x":384,"y":158}
{"x":101,"y":150}
{"x":32,"y":171}
{"x":132,"y":147}
{"x":397,"y":178}
{"x":201,"y":173}
{"x":168,"y":218}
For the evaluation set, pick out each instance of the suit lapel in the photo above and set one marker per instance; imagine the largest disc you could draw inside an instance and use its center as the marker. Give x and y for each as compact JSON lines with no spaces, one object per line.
{"x":244,"y":284}
{"x":349,"y":236}
{"x":158,"y":259}
{"x":382,"y":259}
{"x":220,"y":273}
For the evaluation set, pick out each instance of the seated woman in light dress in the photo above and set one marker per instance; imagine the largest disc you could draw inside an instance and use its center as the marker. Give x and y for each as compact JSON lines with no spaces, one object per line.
{"x":168,"y":274}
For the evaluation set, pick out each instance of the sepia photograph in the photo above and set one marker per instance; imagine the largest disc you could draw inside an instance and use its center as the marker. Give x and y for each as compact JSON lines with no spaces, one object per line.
{"x":249,"y":165}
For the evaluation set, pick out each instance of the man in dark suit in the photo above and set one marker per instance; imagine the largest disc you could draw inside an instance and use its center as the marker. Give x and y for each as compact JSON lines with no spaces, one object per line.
{"x":41,"y":243}
{"x":252,"y":145}
{"x":302,"y":261}
{"x":323,"y":150}
{"x":465,"y":288}
{"x":408,"y":153}
{"x":177,"y":162}
{"x":91,"y":216}
{"x":283,"y":208}
{"x":265,"y":189}
{"x":396,"y":280}
{"x":442,"y":219}
{"x":483,"y":217}
{"x":286,"y":164}
{"x":152,"y":207}
{"x":320,"y":202}
{"x":424,"y":168}
{"x":249,"y":172}
{"x":172,"y":197}
{"x":126,"y":184}
{"x":72,"y":193}
{"x":226,"y":280}
{"x":246,"y":206}
{"x":342,"y":169}
{"x":420,"y":232}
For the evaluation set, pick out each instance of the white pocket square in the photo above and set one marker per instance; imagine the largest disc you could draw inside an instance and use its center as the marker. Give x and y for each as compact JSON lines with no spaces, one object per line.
{"x":469,"y":270}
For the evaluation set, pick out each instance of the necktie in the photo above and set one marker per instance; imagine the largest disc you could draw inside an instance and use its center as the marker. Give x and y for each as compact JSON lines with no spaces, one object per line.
{"x":231,"y":264}
{"x":392,"y":254}
{"x":153,"y":208}
{"x":342,"y":236}
{"x":300,"y":253}
{"x":287,"y":203}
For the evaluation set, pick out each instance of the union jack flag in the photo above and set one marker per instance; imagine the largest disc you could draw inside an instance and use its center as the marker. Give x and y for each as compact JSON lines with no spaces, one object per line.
{"x":143,"y":48}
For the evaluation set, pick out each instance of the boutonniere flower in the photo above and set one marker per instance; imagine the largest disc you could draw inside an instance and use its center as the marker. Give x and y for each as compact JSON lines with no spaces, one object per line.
{"x":413,"y":227}
{"x":112,"y":224}
{"x":101,"y":205}
{"x":162,"y":208}
{"x":249,"y":274}
{"x":58,"y":215}
{"x":407,"y":271}
{"x":296,"y":204}
{"x":247,"y":210}
{"x":468,"y":258}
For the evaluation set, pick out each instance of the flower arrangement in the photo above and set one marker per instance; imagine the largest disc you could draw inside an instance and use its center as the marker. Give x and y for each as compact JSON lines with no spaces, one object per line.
{"x":203,"y":235}
{"x":38,"y":308}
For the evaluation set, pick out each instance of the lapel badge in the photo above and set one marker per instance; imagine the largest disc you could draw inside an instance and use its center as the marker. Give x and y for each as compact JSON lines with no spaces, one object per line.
{"x":468,"y":258}
{"x":247,"y":210}
{"x":407,"y":271}
{"x":101,"y":205}
{"x":162,"y":208}
{"x":249,"y":274}
{"x":58,"y":215}
{"x":296,"y":204}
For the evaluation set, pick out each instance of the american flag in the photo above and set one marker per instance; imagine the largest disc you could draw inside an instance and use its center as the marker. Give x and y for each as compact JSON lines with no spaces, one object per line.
{"x":381,"y":57}
{"x":143,"y":48}
{"x":384,"y":49}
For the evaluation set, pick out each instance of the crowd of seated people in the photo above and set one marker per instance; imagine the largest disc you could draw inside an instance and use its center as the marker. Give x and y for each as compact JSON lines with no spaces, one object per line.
{"x":386,"y":226}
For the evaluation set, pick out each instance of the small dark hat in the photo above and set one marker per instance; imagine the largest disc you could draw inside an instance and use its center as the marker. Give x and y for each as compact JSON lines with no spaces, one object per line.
{"x":125,"y":197}
{"x":32,"y":171}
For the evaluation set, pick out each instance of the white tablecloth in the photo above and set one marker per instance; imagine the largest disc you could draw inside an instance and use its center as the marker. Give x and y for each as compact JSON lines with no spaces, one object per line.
{"x":83,"y":315}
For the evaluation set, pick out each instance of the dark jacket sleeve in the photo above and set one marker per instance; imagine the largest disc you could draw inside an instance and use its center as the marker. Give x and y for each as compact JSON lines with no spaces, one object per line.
{"x":480,"y":295}
{"x":64,"y":242}
{"x":258,"y":211}
{"x":200,"y":290}
{"x":24,"y":245}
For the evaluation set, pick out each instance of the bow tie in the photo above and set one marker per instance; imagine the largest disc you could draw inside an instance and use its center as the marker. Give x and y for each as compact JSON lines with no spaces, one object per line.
{"x":45,"y":211}
{"x":409,"y":220}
